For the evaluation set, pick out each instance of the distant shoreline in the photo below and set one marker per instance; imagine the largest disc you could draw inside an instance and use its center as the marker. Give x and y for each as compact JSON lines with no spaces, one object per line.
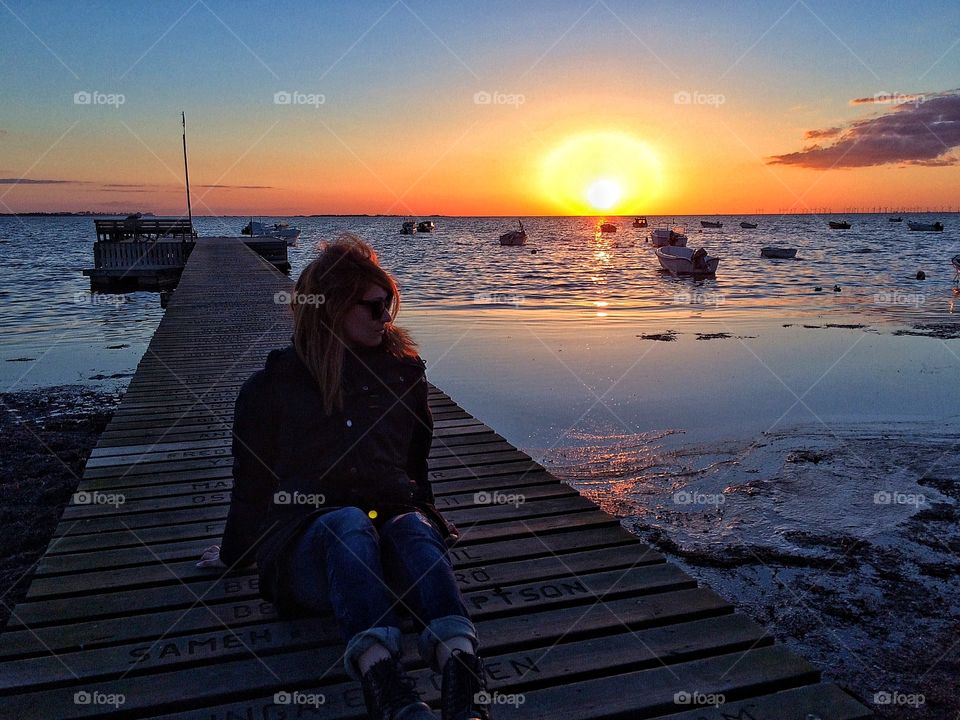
{"x":93,"y":214}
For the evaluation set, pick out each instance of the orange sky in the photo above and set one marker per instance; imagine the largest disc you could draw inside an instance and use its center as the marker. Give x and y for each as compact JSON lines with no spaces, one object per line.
{"x":465,"y":121}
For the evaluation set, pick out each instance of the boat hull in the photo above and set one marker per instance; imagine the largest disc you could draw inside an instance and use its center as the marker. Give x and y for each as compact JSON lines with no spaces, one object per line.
{"x":513,"y":239}
{"x":679,"y":260}
{"x":662,"y":237}
{"x":778,"y":253}
{"x":925,"y":227}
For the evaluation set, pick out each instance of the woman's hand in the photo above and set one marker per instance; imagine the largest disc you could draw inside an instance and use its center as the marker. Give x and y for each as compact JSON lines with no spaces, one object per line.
{"x":211,"y":558}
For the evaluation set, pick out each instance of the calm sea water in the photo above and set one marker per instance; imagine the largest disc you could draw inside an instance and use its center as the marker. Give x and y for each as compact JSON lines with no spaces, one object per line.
{"x":547,"y":344}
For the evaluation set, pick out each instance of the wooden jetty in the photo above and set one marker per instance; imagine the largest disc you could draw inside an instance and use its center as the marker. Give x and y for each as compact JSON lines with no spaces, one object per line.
{"x":151,"y":253}
{"x":578,"y":618}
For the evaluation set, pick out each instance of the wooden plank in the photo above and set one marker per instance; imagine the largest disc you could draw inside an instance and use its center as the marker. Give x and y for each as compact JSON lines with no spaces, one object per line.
{"x":225,"y":681}
{"x":464,"y":560}
{"x":463,"y":557}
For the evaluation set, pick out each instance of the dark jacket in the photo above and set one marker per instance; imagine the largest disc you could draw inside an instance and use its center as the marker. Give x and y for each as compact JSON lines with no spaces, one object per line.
{"x":292,"y":462}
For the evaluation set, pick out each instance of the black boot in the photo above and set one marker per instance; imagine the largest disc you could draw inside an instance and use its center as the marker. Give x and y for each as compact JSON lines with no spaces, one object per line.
{"x":389,"y":693}
{"x":464,"y":693}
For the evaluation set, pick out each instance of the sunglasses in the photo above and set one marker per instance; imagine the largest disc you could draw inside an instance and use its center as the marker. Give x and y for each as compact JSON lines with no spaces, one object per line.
{"x":377,"y":307}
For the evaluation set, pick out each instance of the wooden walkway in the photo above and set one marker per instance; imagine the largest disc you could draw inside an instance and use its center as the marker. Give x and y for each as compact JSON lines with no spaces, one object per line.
{"x":575,"y":614}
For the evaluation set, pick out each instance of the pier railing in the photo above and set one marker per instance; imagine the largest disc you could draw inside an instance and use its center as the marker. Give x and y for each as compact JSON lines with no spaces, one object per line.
{"x":141,"y":253}
{"x":140,"y":228}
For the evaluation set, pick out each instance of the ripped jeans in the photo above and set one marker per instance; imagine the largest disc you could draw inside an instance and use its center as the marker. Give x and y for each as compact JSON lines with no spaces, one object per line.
{"x":342,"y":563}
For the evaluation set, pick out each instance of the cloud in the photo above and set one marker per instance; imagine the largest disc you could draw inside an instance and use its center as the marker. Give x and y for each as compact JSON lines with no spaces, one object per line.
{"x":28,"y":181}
{"x":888,"y":98}
{"x":922,"y":132}
{"x":239,"y":187}
{"x":825,"y":133}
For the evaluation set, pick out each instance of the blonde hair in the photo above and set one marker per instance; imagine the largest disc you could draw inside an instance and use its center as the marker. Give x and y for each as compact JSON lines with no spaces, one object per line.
{"x":325,"y":291}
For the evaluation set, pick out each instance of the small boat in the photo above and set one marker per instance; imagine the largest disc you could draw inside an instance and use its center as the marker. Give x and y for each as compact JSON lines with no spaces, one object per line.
{"x":778,"y":252}
{"x":664,"y":235}
{"x":281,"y":231}
{"x":640,"y":222}
{"x":928,"y":227}
{"x":899,"y":219}
{"x":748,"y":226}
{"x":514,"y":237}
{"x":607,"y":227}
{"x":409,"y":228}
{"x":687,"y":261}
{"x":709,"y":224}
{"x":426,"y":226}
{"x":839,"y":225}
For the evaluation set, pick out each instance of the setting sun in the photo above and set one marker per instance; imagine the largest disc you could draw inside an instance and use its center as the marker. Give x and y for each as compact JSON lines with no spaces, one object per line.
{"x":604,"y":194}
{"x":601,"y":171}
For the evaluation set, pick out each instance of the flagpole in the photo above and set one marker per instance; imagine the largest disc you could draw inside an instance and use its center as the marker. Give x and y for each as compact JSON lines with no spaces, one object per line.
{"x":186,"y":172}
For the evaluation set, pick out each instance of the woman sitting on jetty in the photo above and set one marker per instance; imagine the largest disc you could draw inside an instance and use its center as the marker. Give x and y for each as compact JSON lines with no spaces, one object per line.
{"x":331,"y":495}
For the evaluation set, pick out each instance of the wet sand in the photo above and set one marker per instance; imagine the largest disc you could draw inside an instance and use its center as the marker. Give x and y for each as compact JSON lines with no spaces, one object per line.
{"x":843,"y":543}
{"x":47,"y":437}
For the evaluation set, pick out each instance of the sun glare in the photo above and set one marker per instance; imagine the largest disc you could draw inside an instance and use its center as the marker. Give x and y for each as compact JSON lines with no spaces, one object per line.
{"x":604,"y":194}
{"x":611,"y":172}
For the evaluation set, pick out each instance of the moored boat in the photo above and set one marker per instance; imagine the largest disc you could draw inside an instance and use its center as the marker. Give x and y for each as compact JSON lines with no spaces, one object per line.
{"x":281,"y":231}
{"x":710,"y":224}
{"x":896,"y":219}
{"x":778,"y":252}
{"x":409,"y":228}
{"x":640,"y":222}
{"x":687,"y":261}
{"x":843,"y":225}
{"x":426,"y":226}
{"x":664,"y":235}
{"x":748,"y":226}
{"x":514,"y":237}
{"x":607,"y":227}
{"x":926,"y":227}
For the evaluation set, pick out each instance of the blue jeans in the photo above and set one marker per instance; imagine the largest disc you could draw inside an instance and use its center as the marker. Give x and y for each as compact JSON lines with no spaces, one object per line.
{"x":342,"y":563}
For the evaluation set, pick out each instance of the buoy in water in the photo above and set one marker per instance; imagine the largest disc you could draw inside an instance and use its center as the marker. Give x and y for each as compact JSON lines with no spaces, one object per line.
{"x":921,"y":275}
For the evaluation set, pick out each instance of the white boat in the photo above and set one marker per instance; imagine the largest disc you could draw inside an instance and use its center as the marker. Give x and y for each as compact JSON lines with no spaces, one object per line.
{"x":687,"y":261}
{"x":409,"y":228}
{"x":928,"y":227}
{"x":514,"y":237}
{"x":663,"y":235}
{"x":778,"y":252}
{"x":426,"y":226}
{"x":281,"y":231}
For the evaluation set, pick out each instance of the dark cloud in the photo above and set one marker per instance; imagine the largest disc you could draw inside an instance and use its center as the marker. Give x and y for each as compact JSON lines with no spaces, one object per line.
{"x":914,"y":133}
{"x":817,"y":134}
{"x":239,"y":187}
{"x":888,"y":98}
{"x":825,"y":133}
{"x":28,"y":181}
